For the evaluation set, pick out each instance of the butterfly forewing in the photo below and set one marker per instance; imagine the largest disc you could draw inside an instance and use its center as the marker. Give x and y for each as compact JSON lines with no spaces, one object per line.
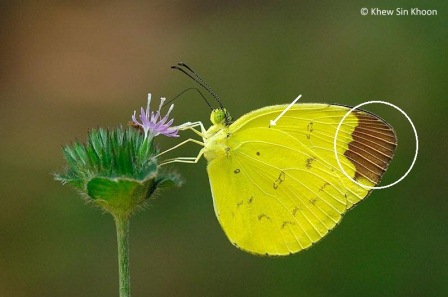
{"x":279,"y":189}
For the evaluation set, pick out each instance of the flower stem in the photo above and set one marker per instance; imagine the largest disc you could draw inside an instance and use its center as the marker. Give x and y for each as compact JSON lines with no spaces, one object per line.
{"x":122,"y":225}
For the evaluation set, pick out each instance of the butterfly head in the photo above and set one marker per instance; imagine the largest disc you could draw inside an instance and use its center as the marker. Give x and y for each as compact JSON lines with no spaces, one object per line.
{"x":220,"y":116}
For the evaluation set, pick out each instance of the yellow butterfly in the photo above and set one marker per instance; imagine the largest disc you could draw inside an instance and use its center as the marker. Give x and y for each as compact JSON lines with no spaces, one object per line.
{"x":279,"y":189}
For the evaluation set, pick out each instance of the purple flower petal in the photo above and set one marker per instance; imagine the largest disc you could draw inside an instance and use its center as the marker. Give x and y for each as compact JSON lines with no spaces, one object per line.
{"x":153,"y":123}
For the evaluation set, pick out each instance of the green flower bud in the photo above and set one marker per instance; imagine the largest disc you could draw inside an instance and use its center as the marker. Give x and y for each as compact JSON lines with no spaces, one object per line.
{"x":116,"y":169}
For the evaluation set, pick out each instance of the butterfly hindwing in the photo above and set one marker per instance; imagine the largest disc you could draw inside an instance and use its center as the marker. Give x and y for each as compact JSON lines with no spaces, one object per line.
{"x":267,"y":204}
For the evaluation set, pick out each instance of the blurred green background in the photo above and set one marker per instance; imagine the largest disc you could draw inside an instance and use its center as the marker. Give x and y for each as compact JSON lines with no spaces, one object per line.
{"x":67,"y":66}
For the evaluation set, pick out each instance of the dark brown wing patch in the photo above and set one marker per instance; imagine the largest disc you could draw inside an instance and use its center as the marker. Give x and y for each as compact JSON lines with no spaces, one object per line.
{"x":372,"y":147}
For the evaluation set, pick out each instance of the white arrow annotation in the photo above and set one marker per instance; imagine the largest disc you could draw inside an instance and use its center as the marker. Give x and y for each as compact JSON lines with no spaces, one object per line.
{"x":274,"y":122}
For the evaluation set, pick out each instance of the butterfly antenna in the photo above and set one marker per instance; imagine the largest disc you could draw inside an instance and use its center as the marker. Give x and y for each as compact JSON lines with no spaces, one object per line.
{"x":200,"y":93}
{"x":193,"y":75}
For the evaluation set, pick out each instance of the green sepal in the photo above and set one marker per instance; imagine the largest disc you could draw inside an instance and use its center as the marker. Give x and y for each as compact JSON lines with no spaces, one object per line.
{"x":120,"y":195}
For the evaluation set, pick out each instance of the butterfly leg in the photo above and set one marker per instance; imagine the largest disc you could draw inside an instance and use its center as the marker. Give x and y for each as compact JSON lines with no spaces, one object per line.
{"x":186,"y":126}
{"x":190,"y":160}
{"x":180,"y":144}
{"x":191,"y":126}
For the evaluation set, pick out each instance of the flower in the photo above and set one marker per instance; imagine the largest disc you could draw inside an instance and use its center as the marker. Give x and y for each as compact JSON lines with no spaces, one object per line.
{"x":116,"y":169}
{"x":153,"y":123}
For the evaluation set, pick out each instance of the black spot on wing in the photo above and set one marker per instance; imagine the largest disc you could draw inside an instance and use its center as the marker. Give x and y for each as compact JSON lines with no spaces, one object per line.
{"x":264,"y":216}
{"x":314,"y":200}
{"x":309,"y":161}
{"x":295,"y":211}
{"x":323,"y":186}
{"x":309,"y":130}
{"x":287,"y":223}
{"x":279,"y":180}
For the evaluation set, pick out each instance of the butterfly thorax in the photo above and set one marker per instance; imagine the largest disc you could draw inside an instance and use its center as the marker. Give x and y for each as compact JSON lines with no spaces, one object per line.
{"x":215,"y":138}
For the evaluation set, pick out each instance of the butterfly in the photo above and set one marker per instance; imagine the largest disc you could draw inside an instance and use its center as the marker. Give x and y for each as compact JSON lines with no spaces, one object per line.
{"x":278,"y":189}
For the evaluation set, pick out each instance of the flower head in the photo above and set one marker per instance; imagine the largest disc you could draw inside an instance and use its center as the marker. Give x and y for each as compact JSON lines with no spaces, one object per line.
{"x":116,"y":169}
{"x":153,"y":123}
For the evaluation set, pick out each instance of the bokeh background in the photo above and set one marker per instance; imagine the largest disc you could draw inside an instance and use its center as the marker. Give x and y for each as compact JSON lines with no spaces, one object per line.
{"x":67,"y":66}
